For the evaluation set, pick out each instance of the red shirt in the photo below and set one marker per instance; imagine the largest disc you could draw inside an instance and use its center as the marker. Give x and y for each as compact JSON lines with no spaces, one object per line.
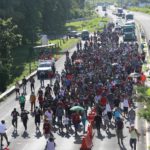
{"x":103,"y":101}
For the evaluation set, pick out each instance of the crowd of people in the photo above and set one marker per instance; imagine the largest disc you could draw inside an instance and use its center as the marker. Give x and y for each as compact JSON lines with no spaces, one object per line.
{"x":96,"y":75}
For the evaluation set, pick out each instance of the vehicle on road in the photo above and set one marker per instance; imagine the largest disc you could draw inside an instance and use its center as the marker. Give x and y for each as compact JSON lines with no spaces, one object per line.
{"x":119,"y":12}
{"x":85,"y":35}
{"x":130,"y":22}
{"x":45,"y":69}
{"x":129,"y":16}
{"x":129,"y":33}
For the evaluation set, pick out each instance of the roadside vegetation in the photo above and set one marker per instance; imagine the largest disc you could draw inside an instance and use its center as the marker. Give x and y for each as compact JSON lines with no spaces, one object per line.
{"x":91,"y":25}
{"x":141,"y":9}
{"x":143,"y":95}
{"x":21,"y":23}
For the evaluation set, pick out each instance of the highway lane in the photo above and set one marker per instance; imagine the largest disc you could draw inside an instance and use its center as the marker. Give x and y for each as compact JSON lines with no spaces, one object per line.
{"x":144,"y":20}
{"x":33,"y":141}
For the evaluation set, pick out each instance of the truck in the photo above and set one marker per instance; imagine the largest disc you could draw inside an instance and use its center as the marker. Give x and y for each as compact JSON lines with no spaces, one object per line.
{"x":119,"y":12}
{"x":129,"y":16}
{"x":129,"y":33}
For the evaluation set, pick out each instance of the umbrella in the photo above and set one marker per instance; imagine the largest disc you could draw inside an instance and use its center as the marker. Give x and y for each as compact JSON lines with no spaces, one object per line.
{"x":77,"y":108}
{"x":115,"y":64}
{"x":134,"y":75}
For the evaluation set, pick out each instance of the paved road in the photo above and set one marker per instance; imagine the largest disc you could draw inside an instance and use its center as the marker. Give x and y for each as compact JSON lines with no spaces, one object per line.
{"x":144,"y":20}
{"x":32,"y":141}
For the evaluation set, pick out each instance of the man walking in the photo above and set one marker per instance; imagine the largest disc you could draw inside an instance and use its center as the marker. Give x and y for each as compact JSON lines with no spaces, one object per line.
{"x":134,"y":136}
{"x":24,"y":118}
{"x":3,"y":133}
{"x":24,"y":83}
{"x":15,"y":115}
{"x":119,"y":130}
{"x":37,"y":114}
{"x":32,"y":101}
{"x":32,"y":81}
{"x":22,"y":100}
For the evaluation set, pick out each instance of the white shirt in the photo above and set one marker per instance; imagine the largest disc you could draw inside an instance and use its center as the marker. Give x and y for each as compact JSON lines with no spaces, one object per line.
{"x":108,"y":108}
{"x":49,"y":115}
{"x":2,"y":128}
{"x":50,"y":145}
{"x":125,"y":103}
{"x":65,"y":120}
{"x":97,"y":98}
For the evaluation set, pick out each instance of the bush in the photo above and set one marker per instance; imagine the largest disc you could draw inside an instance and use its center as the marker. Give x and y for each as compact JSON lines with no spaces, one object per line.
{"x":4,"y":77}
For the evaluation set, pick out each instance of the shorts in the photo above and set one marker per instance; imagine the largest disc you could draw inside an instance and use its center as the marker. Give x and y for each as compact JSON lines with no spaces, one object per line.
{"x":119,"y":133}
{"x":17,"y":90}
{"x":125,"y":109}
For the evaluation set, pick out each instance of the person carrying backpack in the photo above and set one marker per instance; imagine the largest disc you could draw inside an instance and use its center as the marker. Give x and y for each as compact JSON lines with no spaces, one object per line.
{"x":119,"y":130}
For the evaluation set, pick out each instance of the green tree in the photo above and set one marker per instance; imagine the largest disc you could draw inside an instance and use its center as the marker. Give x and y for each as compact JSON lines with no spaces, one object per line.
{"x":9,"y":38}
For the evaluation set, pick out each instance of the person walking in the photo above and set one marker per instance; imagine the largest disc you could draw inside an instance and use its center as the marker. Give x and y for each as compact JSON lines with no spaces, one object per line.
{"x":76,"y":121}
{"x":47,"y":128}
{"x":83,"y":120}
{"x":15,"y":115}
{"x":59,"y":114}
{"x":22,"y":100}
{"x":17,"y":89}
{"x":32,"y":101}
{"x":3,"y":132}
{"x":119,"y":130}
{"x":98,"y":122}
{"x":24,"y":118}
{"x":49,"y":115}
{"x":32,"y":81}
{"x":24,"y":84}
{"x":125,"y":106}
{"x":65,"y":121}
{"x":131,"y":116}
{"x":42,"y":75}
{"x":37,"y":115}
{"x":134,"y":136}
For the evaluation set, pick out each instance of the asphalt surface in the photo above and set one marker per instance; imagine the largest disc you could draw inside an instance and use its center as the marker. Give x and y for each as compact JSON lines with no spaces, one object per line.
{"x":144,"y":20}
{"x":33,"y":141}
